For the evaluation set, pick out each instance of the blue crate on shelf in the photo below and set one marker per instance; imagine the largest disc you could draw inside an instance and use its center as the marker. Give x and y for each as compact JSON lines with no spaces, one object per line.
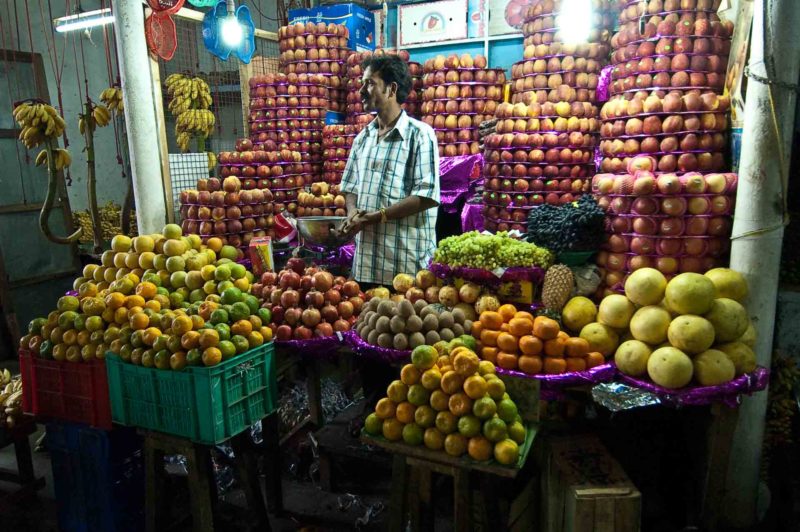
{"x":98,"y":478}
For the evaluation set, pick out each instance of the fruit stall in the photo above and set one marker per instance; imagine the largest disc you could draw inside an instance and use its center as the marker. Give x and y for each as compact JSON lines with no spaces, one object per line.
{"x":590,"y":293}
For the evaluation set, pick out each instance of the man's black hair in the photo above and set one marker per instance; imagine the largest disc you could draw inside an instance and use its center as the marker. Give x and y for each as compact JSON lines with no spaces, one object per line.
{"x":391,"y":69}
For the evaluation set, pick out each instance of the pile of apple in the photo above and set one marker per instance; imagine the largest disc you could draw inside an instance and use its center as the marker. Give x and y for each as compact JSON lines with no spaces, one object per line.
{"x":323,"y":200}
{"x":231,"y":209}
{"x":460,"y":93}
{"x":307,"y":302}
{"x":288,"y":118}
{"x":673,"y":223}
{"x":684,"y":132}
{"x":283,"y":172}
{"x":336,"y":142}
{"x":551,"y":66}
{"x":355,"y":110}
{"x":317,"y":49}
{"x":683,"y":45}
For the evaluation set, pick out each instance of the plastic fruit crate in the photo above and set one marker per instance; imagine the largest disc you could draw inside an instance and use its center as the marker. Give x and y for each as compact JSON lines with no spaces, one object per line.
{"x":206,"y":405}
{"x":98,"y":478}
{"x":65,"y":391}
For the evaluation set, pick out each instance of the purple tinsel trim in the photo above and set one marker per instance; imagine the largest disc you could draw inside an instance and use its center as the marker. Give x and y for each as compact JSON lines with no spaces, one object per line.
{"x":73,"y":293}
{"x":326,"y":346}
{"x":362,"y":348}
{"x":533,"y":274}
{"x":595,"y":375}
{"x":454,"y":178}
{"x":603,"y":83}
{"x":728,"y":393}
{"x":471,"y":217}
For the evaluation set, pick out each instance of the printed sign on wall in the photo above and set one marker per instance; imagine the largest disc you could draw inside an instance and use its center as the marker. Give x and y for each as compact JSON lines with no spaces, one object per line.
{"x":432,"y":22}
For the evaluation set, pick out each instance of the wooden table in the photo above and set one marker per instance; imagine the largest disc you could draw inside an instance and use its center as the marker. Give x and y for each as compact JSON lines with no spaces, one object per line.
{"x":412,"y":468}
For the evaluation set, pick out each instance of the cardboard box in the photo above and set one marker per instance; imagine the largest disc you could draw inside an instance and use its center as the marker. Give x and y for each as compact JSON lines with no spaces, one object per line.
{"x":586,"y":490}
{"x":359,"y":21}
{"x":432,"y":22}
{"x":332,"y":118}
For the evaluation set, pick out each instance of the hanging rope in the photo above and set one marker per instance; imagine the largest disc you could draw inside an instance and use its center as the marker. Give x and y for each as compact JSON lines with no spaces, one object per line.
{"x":11,"y":93}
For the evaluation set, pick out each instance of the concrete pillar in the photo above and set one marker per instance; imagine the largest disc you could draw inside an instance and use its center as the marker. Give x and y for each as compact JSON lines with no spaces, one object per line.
{"x":140,"y":115}
{"x":758,"y":224}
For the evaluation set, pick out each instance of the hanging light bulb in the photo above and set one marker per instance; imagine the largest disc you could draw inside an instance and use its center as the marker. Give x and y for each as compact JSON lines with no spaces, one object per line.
{"x":82,"y":21}
{"x":574,"y":21}
{"x":230,"y":29}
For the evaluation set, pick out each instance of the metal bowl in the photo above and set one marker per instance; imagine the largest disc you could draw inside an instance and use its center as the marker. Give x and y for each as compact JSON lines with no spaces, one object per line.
{"x":322,"y":230}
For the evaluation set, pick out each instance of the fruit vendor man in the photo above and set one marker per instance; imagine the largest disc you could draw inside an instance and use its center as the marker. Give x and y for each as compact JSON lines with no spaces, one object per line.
{"x":391,"y":180}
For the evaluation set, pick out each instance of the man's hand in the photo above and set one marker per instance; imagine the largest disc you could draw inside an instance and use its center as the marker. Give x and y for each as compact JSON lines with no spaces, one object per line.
{"x":355,"y":223}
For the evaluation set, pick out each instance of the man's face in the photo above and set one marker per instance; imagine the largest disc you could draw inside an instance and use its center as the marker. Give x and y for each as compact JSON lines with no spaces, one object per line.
{"x":374,"y":93}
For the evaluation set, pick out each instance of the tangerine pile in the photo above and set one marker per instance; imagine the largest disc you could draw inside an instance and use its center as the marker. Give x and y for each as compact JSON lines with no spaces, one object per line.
{"x":163,"y":300}
{"x":518,"y":341}
{"x":448,"y":399}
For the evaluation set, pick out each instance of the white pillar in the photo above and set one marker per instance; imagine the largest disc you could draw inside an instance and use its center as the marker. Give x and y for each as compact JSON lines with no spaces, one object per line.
{"x":140,"y":115}
{"x":759,"y":208}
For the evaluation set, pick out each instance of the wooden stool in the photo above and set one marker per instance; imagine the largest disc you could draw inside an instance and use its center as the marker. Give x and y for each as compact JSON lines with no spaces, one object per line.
{"x":29,"y":484}
{"x":202,"y":485}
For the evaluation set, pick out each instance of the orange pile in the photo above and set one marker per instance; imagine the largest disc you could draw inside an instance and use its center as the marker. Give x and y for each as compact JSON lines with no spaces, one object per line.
{"x":516,"y":340}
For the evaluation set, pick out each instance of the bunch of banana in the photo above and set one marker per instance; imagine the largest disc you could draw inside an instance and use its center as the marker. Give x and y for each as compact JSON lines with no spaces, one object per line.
{"x":112,"y":97}
{"x":109,"y":222}
{"x":63,"y":158}
{"x":782,"y":404}
{"x":10,"y":398}
{"x":212,"y":160}
{"x":39,"y":122}
{"x":187,"y":93}
{"x":199,"y":122}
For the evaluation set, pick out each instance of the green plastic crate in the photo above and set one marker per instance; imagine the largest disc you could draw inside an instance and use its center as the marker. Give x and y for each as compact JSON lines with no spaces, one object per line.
{"x":205,"y":405}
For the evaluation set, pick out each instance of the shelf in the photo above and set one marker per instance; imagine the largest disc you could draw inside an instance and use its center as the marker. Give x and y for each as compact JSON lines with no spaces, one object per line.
{"x":474,"y":40}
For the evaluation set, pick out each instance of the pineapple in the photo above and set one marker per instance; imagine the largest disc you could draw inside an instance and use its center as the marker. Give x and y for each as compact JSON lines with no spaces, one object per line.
{"x":557,"y":288}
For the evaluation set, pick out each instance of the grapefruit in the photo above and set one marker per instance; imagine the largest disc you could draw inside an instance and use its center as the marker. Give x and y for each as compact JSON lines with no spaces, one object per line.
{"x":713,"y":367}
{"x":690,"y":293}
{"x":645,"y":286}
{"x":670,"y":367}
{"x":649,"y":324}
{"x":743,"y":358}
{"x":691,"y":334}
{"x":615,"y":311}
{"x":728,"y":283}
{"x":749,"y":336}
{"x":601,"y":338}
{"x":578,"y":312}
{"x":506,"y":452}
{"x":729,"y":319}
{"x":631,"y":358}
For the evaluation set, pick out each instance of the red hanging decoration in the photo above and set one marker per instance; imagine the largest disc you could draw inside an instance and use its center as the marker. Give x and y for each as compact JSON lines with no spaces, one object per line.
{"x":161,"y":34}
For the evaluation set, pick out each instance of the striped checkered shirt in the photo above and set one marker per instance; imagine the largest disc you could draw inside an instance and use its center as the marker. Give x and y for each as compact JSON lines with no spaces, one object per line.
{"x":381,"y":173}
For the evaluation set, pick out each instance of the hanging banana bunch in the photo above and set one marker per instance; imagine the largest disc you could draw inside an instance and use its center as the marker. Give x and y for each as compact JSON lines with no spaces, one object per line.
{"x":190,"y":99}
{"x":40,"y":124}
{"x":212,"y":160}
{"x":112,"y":98}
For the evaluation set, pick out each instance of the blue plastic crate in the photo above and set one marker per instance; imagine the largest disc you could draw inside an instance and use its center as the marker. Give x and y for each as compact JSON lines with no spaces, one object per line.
{"x":98,"y":478}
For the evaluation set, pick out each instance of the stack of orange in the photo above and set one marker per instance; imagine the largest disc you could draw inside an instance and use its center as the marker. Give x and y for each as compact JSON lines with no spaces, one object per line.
{"x":516,"y":340}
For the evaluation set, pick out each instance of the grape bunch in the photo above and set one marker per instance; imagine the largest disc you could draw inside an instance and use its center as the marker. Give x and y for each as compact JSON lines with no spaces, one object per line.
{"x":489,"y":252}
{"x":576,"y":226}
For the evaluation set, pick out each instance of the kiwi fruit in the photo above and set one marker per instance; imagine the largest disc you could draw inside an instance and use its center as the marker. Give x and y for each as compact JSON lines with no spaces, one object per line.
{"x":383,"y":325}
{"x":397,"y":325}
{"x":467,"y":326}
{"x":416,"y":340}
{"x":446,"y":320}
{"x":427,"y":311}
{"x":372,"y":337}
{"x":458,"y":315}
{"x":373,"y":321}
{"x":373,"y":304}
{"x":419,"y":305}
{"x":430,"y":322}
{"x":385,"y":340}
{"x":446,"y":334}
{"x":386,"y":308}
{"x":458,"y":329}
{"x":414,"y":324}
{"x":400,"y":342}
{"x":431,"y":337}
{"x":406,"y":309}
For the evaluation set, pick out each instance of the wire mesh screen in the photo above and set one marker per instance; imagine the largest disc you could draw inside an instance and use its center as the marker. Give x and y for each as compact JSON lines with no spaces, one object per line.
{"x":227,"y":83}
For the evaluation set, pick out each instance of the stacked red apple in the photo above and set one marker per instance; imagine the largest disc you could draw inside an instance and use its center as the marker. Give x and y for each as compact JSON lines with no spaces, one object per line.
{"x":322,"y":200}
{"x":551,"y":64}
{"x":683,"y":130}
{"x":538,"y":154}
{"x":282,"y":172}
{"x":317,"y":49}
{"x":683,"y":45}
{"x":231,"y":209}
{"x":308,"y":302}
{"x":674,"y":223}
{"x":289,"y":115}
{"x":460,"y":93}
{"x":336,"y":142}
{"x":355,"y":109}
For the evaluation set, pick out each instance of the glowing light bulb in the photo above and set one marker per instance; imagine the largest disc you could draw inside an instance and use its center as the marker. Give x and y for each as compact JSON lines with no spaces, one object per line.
{"x":231,"y":31}
{"x":574,"y":21}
